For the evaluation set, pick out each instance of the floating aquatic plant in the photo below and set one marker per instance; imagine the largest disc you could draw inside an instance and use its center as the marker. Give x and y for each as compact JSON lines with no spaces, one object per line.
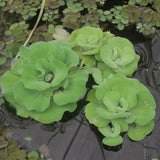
{"x":88,"y":41}
{"x":140,"y":2}
{"x":120,"y":104}
{"x":15,"y":35}
{"x":104,"y":49}
{"x":46,"y":80}
{"x":42,"y":83}
{"x":73,"y":6}
{"x":74,"y":14}
{"x":129,"y":15}
{"x":27,"y":9}
{"x":9,"y":149}
{"x":118,"y":54}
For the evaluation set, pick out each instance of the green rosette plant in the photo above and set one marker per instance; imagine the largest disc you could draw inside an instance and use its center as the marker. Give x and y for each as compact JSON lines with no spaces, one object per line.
{"x":120,"y":104}
{"x":87,"y":42}
{"x":118,"y":56}
{"x":45,"y":81}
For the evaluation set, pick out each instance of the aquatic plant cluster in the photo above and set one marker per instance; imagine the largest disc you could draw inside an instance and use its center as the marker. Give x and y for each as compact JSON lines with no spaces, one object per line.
{"x":9,"y":149}
{"x":48,"y":79}
{"x":146,"y":19}
{"x":17,"y":17}
{"x":74,"y":14}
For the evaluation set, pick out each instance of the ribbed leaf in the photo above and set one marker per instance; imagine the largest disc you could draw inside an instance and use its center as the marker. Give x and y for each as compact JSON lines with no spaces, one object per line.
{"x":93,"y":117}
{"x":137,"y":133}
{"x":112,"y":141}
{"x":75,"y":90}
{"x":8,"y":81}
{"x":31,"y":99}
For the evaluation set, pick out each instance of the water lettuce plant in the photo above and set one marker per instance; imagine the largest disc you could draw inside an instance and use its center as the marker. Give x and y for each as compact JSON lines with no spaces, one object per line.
{"x":88,"y":42}
{"x":121,"y":104}
{"x":43,"y":83}
{"x":119,"y":56}
{"x":47,"y":80}
{"x":105,"y":50}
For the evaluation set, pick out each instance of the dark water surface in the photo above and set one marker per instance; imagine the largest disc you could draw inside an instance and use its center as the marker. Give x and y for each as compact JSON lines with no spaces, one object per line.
{"x":74,"y":139}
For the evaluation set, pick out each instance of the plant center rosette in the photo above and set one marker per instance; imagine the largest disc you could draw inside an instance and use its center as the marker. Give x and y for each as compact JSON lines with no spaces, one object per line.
{"x":87,"y":42}
{"x":120,"y":104}
{"x":118,"y":56}
{"x":43,"y":83}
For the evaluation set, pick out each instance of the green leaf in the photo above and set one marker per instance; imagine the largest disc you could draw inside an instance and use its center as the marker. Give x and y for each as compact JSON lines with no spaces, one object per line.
{"x":52,"y":49}
{"x":91,"y":96}
{"x":127,"y":92}
{"x":28,"y":138}
{"x":8,"y":81}
{"x":123,"y":125}
{"x":34,"y":77}
{"x":97,"y":75}
{"x":31,"y":99}
{"x":113,"y":131}
{"x":88,"y":40}
{"x":130,"y":68}
{"x":106,"y":12}
{"x":2,"y":4}
{"x":110,"y":115}
{"x":120,"y":26}
{"x":93,"y":117}
{"x":33,"y":154}
{"x":32,"y":13}
{"x":139,"y":25}
{"x":100,"y":91}
{"x":102,"y":66}
{"x":53,"y":113}
{"x":74,"y":91}
{"x":88,"y":60}
{"x":145,"y":108}
{"x":71,"y":59}
{"x":137,"y":133}
{"x":119,"y":55}
{"x":107,"y":73}
{"x":125,"y":21}
{"x":111,"y":100}
{"x":20,"y":63}
{"x":112,"y":141}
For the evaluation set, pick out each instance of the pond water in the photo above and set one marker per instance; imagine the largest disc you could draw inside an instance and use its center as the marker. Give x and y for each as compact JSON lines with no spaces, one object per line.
{"x":74,"y":139}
